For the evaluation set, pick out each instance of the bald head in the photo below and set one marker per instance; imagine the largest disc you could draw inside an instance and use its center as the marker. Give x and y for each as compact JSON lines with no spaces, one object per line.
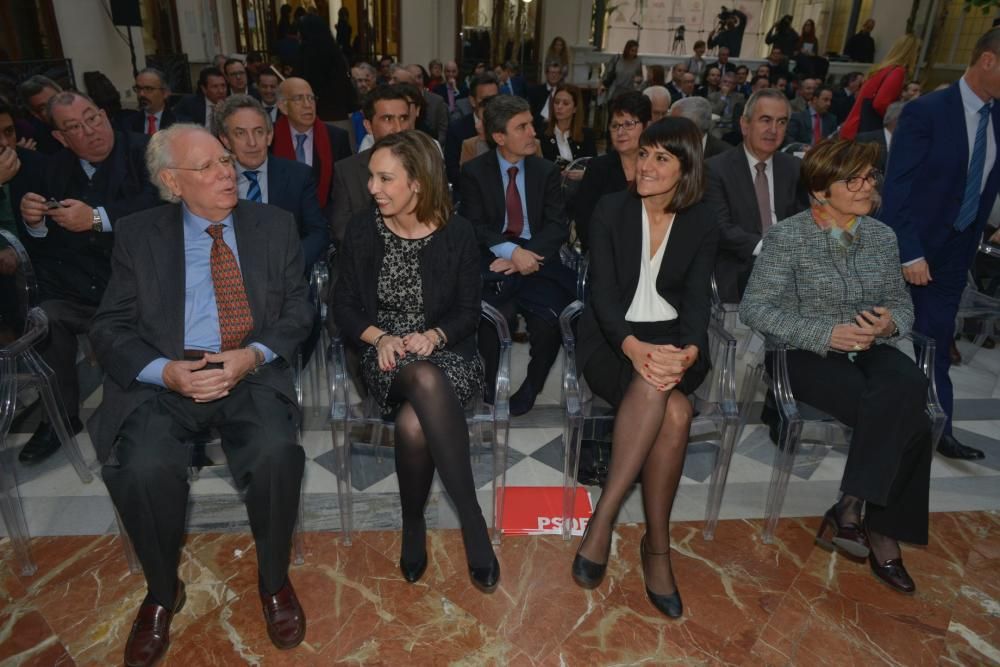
{"x":297,"y":101}
{"x":402,"y":75}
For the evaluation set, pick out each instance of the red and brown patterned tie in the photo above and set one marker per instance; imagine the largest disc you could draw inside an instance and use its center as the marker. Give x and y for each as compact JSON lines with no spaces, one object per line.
{"x":235,"y":319}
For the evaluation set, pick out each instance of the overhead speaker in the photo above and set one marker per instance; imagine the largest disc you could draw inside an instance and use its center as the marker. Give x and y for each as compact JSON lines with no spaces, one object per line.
{"x":126,"y":12}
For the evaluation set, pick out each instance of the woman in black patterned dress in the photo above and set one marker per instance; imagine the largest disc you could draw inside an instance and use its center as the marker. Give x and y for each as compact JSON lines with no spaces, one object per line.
{"x":409,"y":295}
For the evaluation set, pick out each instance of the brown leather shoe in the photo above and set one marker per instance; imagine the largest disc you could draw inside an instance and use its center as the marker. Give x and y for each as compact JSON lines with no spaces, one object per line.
{"x":286,"y":622}
{"x":150,"y":636}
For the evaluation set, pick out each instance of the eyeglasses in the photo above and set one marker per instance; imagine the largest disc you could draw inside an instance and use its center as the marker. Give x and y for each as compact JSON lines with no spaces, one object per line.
{"x":146,"y":89}
{"x":93,"y":121}
{"x":299,"y":99}
{"x":226,"y":161}
{"x":626,"y":125}
{"x":855,"y":183}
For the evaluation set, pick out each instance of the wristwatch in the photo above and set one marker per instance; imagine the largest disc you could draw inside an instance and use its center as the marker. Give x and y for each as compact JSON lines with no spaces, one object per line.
{"x":98,"y":225}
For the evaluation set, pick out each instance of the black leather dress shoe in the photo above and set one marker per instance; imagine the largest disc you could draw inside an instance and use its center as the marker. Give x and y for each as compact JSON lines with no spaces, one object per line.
{"x":523,"y":399}
{"x":670,"y":604}
{"x":413,"y":571}
{"x":45,"y":442}
{"x":950,"y":447}
{"x":486,"y":578}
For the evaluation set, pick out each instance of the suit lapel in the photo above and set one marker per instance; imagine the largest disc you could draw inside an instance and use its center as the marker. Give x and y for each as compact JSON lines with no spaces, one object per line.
{"x":166,"y":247}
{"x":251,"y":243}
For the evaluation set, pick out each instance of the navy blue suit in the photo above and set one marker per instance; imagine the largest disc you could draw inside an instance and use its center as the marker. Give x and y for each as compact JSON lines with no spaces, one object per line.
{"x":921,"y":204}
{"x":291,"y":187}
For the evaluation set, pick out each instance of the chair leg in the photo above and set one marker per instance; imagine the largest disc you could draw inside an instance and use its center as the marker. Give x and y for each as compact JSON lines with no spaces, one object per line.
{"x":500,"y":432}
{"x":572,"y":440}
{"x":342,"y":450}
{"x":784,"y":459}
{"x":298,"y":550}
{"x":58,"y":416}
{"x":134,"y":567}
{"x":720,"y":472}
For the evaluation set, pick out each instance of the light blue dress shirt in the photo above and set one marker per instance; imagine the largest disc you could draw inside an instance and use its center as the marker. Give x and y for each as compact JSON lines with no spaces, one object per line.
{"x":506,"y":250}
{"x":201,"y":314}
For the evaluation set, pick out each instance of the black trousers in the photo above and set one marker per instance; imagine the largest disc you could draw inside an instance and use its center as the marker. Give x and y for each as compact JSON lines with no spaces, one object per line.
{"x":882,"y":396}
{"x":147,"y":477}
{"x":67,"y":320}
{"x":539,"y":298}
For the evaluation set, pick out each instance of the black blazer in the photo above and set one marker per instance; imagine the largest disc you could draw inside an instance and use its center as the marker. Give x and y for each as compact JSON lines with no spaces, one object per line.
{"x":714,"y":146}
{"x":684,"y":279}
{"x":191,"y":109}
{"x":537,"y":95}
{"x":449,"y":271}
{"x":135,"y":121}
{"x":731,"y":196}
{"x":141,"y":317}
{"x":484,"y":204}
{"x":604,"y":175}
{"x":585,"y":148}
{"x":291,"y":187}
{"x":77,"y":265}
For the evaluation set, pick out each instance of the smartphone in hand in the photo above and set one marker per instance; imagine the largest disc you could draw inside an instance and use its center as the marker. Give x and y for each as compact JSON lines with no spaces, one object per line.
{"x":51,"y":203}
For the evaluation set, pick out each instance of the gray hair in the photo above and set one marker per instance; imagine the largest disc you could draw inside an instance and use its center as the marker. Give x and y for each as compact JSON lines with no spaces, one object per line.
{"x":231,"y":105}
{"x":367,"y":67}
{"x":64,"y":99}
{"x":654,"y":92}
{"x":892,"y":114}
{"x":160,"y":155}
{"x":766,"y":93}
{"x":498,"y":112}
{"x":157,"y":73}
{"x":34,"y":85}
{"x":696,"y":109}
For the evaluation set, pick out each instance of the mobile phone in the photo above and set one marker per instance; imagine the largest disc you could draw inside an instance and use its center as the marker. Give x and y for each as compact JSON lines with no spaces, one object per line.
{"x":51,"y":203}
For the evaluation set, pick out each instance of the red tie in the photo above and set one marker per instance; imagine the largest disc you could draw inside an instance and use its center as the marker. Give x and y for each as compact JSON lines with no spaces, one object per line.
{"x":515,"y":216}
{"x":151,"y":125}
{"x":235,"y":319}
{"x":817,"y":130}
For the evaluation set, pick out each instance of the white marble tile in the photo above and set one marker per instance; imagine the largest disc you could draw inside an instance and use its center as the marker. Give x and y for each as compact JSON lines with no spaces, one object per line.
{"x":528,"y":440}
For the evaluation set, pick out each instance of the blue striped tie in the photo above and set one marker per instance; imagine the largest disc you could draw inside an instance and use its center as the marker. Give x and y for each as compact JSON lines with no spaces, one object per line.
{"x":300,"y":150}
{"x":253,"y":192}
{"x":974,"y":181}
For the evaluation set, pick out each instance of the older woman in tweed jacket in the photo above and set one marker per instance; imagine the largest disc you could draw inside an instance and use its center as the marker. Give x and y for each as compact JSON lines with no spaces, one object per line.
{"x":827,"y":283}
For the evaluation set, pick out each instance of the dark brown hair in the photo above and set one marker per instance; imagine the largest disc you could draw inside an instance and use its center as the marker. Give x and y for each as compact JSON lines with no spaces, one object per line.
{"x":421,"y":159}
{"x":681,"y":138}
{"x":576,"y":127}
{"x":835,"y":160}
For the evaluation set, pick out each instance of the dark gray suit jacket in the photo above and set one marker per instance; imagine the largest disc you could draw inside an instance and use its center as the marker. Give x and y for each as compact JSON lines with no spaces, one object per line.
{"x":730,"y":193}
{"x":141,"y":317}
{"x":350,"y":192}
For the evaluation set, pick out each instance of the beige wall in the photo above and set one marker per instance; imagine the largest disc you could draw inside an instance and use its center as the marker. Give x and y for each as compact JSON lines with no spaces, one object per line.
{"x":428,"y":31}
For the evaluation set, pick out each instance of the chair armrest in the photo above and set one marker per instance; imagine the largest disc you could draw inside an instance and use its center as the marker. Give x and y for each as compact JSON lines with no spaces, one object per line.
{"x":501,"y":390}
{"x":571,"y":381}
{"x":924,"y":349}
{"x":724,"y":360}
{"x":781,"y":385}
{"x":35,"y":329}
{"x":337,"y":376}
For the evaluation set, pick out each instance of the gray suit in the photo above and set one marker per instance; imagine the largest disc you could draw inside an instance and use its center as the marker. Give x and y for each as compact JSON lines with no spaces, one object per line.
{"x":350,"y":192}
{"x":730,"y":192}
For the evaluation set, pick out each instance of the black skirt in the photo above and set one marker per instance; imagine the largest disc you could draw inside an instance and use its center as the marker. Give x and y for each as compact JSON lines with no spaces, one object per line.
{"x":609,"y":372}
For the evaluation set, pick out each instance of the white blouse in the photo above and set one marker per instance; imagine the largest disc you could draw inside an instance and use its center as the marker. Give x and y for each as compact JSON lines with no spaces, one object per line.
{"x":647,"y":304}
{"x":562,"y":142}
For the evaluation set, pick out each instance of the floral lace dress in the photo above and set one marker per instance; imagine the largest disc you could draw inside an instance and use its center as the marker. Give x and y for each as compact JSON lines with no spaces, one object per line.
{"x":401,"y":311}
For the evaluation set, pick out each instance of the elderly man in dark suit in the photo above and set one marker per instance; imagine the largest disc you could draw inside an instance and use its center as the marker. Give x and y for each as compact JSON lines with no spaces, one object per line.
{"x":208,"y":351}
{"x":816,"y":122}
{"x":752,"y":188}
{"x":514,"y":201}
{"x":199,"y":108}
{"x":151,"y":91}
{"x":941,"y":184}
{"x":98,"y":178}
{"x":245,"y":130}
{"x":387,"y":111}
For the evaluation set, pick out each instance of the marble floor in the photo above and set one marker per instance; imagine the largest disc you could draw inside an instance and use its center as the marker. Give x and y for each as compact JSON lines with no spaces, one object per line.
{"x":747,"y":603}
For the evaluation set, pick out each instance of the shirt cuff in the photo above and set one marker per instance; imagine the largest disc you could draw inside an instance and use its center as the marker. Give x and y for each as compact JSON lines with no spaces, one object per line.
{"x":268,"y":354}
{"x":153,"y":372}
{"x":105,"y":220}
{"x":39,"y":232}
{"x":913,"y":261}
{"x":504,"y":250}
{"x":757,"y":248}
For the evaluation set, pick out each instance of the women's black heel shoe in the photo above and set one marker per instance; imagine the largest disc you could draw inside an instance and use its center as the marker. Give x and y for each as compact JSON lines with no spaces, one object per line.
{"x":848,"y":537}
{"x":486,"y":578}
{"x":586,"y":572}
{"x":671,"y":604}
{"x":413,"y":571}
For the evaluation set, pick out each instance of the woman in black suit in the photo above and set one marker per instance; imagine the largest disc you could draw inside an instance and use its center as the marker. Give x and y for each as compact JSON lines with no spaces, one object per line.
{"x":565,"y":138}
{"x":643,"y":341}
{"x":409,"y":296}
{"x":612,"y":172}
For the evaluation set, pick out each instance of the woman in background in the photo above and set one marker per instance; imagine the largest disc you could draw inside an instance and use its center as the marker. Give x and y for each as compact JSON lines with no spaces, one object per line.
{"x":565,"y":138}
{"x":883,"y":86}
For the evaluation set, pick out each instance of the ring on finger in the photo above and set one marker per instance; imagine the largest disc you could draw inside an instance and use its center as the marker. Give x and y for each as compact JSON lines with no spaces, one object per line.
{"x":857,"y":347}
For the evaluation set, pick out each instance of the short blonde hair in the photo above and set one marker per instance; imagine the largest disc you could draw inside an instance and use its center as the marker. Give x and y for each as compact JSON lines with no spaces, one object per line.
{"x":421,"y":158}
